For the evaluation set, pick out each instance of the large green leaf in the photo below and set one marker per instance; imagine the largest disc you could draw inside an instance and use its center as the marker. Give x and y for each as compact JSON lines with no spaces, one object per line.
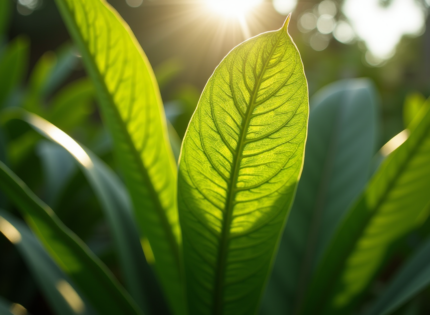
{"x":390,"y":207}
{"x":62,"y":295}
{"x":69,"y":252}
{"x":412,"y":278}
{"x":239,"y":167}
{"x":340,"y":147}
{"x":132,"y":108}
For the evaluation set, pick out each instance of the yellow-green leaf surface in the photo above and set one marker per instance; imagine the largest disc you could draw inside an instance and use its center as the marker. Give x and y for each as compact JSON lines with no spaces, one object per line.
{"x":131,"y":107}
{"x":240,"y":163}
{"x":394,"y":203}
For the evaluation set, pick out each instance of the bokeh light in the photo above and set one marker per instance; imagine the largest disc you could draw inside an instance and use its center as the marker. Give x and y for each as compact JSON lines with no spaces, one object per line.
{"x":134,"y":3}
{"x":344,"y":32}
{"x":327,"y":7}
{"x":284,"y":6}
{"x":326,"y":24}
{"x":382,"y":27}
{"x":319,"y":41}
{"x":307,"y":22}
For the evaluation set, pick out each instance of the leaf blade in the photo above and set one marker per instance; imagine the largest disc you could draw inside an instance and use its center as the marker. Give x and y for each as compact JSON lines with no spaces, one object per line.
{"x":129,"y":99}
{"x":413,"y":277}
{"x":74,"y":258}
{"x":47,"y":274}
{"x":223,"y":141}
{"x":374,"y":222}
{"x":340,"y":145}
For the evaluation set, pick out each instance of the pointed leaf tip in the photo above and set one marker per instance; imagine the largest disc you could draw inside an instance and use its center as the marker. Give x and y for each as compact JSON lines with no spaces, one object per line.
{"x":286,"y":23}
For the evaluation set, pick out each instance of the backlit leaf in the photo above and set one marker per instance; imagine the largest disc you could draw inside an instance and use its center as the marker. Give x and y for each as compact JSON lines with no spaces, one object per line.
{"x":132,"y":108}
{"x":240,"y":163}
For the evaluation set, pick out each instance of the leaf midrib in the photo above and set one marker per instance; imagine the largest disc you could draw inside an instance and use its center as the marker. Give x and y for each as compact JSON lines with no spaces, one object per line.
{"x":228,"y":209}
{"x":340,"y":264}
{"x":160,"y":210}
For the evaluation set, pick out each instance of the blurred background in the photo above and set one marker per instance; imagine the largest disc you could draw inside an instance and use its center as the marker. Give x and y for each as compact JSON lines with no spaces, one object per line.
{"x":386,"y":41}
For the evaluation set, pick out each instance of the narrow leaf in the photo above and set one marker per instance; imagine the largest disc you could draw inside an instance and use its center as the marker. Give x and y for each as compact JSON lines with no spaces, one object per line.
{"x":115,"y":204}
{"x":132,"y":108}
{"x":240,"y":163}
{"x":412,"y":278}
{"x":340,"y":147}
{"x":389,"y":208}
{"x":13,"y":65}
{"x":60,"y":293}
{"x":69,"y":252}
{"x":8,"y":308}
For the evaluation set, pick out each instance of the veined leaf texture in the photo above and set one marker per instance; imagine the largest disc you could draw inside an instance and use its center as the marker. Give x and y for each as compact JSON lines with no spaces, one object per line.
{"x":241,"y":160}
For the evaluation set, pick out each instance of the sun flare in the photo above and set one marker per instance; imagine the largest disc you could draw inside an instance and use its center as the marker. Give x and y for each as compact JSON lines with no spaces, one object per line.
{"x":232,"y":8}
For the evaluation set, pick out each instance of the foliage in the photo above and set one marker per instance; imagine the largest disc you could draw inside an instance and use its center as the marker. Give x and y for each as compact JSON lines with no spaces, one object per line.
{"x":201,"y":238}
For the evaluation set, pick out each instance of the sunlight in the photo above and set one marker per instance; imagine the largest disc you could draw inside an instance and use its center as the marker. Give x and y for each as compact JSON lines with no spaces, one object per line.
{"x":71,"y":296}
{"x":9,"y":231}
{"x":233,"y":8}
{"x":63,"y":139}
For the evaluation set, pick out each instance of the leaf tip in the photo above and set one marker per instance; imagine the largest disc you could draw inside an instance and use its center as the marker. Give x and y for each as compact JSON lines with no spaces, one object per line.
{"x":286,"y":23}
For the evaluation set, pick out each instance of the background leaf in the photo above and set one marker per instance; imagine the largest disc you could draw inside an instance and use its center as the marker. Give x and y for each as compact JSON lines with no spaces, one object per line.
{"x":71,"y":254}
{"x":413,"y":277}
{"x":132,"y":108}
{"x":339,"y":152}
{"x":13,"y":66}
{"x":240,"y":164}
{"x":60,"y":293}
{"x":390,"y":207}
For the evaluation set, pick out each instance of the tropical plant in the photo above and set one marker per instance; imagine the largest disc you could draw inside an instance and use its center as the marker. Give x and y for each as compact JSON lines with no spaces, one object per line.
{"x":201,"y":237}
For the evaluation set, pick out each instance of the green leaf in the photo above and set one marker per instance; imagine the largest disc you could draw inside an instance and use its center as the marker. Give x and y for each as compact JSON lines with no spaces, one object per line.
{"x":412,"y":278}
{"x":115,"y":204}
{"x":36,"y":83}
{"x":390,"y":207}
{"x":132,"y":108}
{"x":62,"y":295}
{"x":65,"y":63}
{"x":240,"y":163}
{"x":415,"y":106}
{"x":5,"y":13}
{"x":8,"y":308}
{"x":13,"y":66}
{"x":340,"y":147}
{"x":58,"y":167}
{"x":93,"y":279}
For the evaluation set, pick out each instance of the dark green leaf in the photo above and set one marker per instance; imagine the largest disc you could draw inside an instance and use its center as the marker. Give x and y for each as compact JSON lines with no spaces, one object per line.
{"x":412,"y":278}
{"x":339,"y":151}
{"x":68,"y":251}
{"x":61,"y":294}
{"x":390,"y":207}
{"x":13,"y":66}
